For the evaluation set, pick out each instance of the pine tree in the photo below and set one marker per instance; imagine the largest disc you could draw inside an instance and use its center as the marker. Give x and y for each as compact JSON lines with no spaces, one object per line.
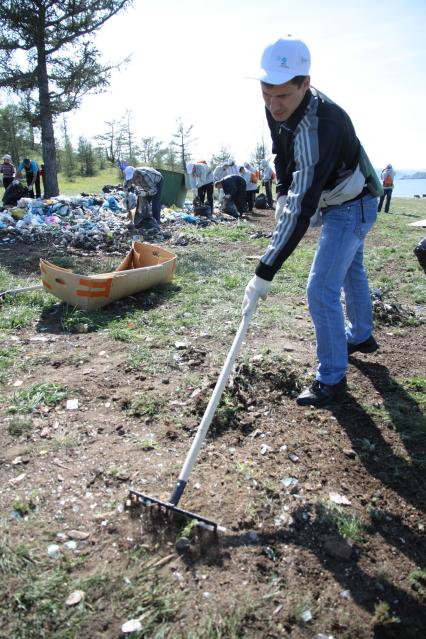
{"x":68,"y":160}
{"x":62,"y":64}
{"x":182,"y":141}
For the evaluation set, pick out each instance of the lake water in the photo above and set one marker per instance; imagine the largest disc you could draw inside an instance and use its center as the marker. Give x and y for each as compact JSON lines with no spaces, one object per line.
{"x":409,"y":188}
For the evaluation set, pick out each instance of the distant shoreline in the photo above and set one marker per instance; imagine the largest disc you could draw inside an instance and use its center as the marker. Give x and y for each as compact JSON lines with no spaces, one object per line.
{"x":416,"y":176}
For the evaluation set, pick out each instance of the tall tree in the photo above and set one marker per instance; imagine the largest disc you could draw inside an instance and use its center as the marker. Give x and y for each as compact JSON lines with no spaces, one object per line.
{"x":261,"y":152}
{"x":62,"y":64}
{"x":182,"y":140}
{"x":86,"y":156}
{"x":151,"y":152}
{"x":14,"y":135}
{"x":169,"y":159}
{"x":129,"y":148}
{"x":223,"y":154}
{"x":111,"y":141}
{"x":68,"y":160}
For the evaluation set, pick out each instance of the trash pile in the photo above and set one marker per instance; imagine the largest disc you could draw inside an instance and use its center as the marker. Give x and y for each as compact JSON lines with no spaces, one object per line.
{"x":87,"y":222}
{"x":391,"y":313}
{"x":84,"y":221}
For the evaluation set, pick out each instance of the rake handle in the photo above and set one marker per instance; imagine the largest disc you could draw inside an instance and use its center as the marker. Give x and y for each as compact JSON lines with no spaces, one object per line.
{"x":210,"y":410}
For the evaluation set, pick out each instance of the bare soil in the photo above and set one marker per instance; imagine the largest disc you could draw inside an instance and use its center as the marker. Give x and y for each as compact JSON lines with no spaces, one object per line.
{"x":281,"y":559}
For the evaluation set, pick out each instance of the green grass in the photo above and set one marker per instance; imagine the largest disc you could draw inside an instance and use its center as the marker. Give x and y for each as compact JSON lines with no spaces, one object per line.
{"x":417,"y":579}
{"x":144,"y":405}
{"x":35,"y":606}
{"x":109,"y":175}
{"x":347,"y":524}
{"x":32,"y":398}
{"x":19,"y":426}
{"x":8,"y":357}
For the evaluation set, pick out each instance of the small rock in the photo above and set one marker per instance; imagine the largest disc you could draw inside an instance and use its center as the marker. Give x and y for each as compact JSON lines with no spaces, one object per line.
{"x":72,"y":404}
{"x":53,"y":551}
{"x":133,"y":625}
{"x":264,"y":449}
{"x":79,"y":535}
{"x":339,"y":499}
{"x":306,"y":616}
{"x":20,"y":460}
{"x":349,"y":452}
{"x":294,"y":458}
{"x":288,"y":482}
{"x":17,"y":480}
{"x":75,"y":597}
{"x":81,"y":328}
{"x":181,"y":345}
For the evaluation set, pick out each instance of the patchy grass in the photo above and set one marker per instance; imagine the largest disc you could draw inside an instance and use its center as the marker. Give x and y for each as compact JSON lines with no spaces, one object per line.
{"x":34,"y":397}
{"x":418,"y":580}
{"x":19,"y":426}
{"x":347,"y":524}
{"x":36,"y":609}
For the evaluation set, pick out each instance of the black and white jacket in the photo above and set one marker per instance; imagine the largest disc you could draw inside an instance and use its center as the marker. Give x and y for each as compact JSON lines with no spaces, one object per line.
{"x":315,"y":148}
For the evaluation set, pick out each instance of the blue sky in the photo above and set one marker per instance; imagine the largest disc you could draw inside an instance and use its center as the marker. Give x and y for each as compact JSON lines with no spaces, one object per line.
{"x":190,"y":59}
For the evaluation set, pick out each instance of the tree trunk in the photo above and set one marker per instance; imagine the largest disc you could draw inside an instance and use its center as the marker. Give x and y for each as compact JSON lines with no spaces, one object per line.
{"x":51,"y":188}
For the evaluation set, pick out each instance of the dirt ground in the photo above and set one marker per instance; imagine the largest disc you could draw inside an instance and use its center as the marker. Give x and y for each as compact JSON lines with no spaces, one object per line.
{"x":267,"y":473}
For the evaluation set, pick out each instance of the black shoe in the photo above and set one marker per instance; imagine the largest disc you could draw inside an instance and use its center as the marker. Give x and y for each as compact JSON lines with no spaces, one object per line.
{"x":320,"y":394}
{"x":369,"y":346}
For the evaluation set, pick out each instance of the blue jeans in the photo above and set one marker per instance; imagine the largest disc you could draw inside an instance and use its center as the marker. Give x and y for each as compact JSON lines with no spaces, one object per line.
{"x":338,"y":263}
{"x":387,"y":195}
{"x":156,"y":201}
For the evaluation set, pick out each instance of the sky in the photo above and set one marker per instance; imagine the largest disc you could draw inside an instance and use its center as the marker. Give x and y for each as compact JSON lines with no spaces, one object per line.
{"x":191,"y":59}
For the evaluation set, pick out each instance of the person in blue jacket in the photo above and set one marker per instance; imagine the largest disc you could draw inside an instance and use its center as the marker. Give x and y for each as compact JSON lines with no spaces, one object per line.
{"x":32,"y":176}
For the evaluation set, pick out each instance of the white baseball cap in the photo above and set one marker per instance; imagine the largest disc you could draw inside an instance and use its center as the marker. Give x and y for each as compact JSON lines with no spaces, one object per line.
{"x":128,"y":172}
{"x":283,"y":60}
{"x":7,"y":157}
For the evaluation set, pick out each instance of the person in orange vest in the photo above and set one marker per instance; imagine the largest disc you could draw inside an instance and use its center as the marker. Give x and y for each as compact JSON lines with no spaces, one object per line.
{"x":387,"y":177}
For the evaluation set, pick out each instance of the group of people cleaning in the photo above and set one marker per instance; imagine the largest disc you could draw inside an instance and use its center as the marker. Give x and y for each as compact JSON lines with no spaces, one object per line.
{"x":32,"y":171}
{"x":237,"y":186}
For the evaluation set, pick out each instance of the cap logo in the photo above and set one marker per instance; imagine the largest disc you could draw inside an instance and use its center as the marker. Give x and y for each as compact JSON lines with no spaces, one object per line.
{"x":283,"y":62}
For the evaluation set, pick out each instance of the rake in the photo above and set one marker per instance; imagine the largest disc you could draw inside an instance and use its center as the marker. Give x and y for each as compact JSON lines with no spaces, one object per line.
{"x":171,"y":506}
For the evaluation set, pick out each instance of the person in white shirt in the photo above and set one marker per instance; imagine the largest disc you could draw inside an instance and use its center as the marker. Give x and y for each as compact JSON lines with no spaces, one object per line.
{"x":231,"y":167}
{"x":128,"y":176}
{"x":203,"y":178}
{"x":267,"y":176}
{"x":218,"y":174}
{"x":251,"y":185}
